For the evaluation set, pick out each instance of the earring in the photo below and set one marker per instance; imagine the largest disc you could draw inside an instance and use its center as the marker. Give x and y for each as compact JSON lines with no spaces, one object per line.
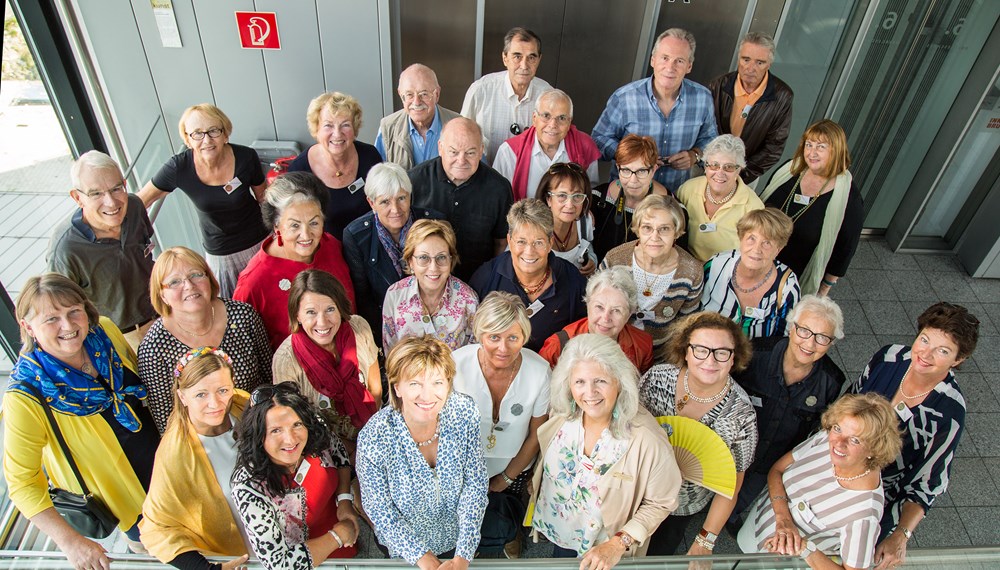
{"x":572,"y":407}
{"x":614,"y":413}
{"x":277,"y":234}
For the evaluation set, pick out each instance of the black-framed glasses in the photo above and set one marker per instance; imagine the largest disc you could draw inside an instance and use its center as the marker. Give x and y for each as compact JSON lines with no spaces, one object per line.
{"x":515,"y":129}
{"x":214,"y":132}
{"x":628,"y":172}
{"x":805,"y":333}
{"x":265,"y":392}
{"x":719,"y":354}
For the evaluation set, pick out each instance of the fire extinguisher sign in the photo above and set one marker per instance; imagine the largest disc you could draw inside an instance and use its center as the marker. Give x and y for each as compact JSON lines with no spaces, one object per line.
{"x":258,"y":30}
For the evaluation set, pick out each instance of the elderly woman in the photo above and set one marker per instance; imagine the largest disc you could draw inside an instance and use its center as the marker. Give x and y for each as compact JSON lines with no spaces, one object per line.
{"x":566,"y":189}
{"x":293,"y":207}
{"x":790,"y":380}
{"x":611,"y":300}
{"x":608,"y":476}
{"x":292,"y":482}
{"x":824,"y":498}
{"x":184,"y":292}
{"x":919,"y":380}
{"x":702,"y":351}
{"x":339,"y":160}
{"x":510,"y":385}
{"x":551,"y":287}
{"x":79,"y":365}
{"x":817,"y":191}
{"x":718,"y":200}
{"x":225,"y":181}
{"x":373,"y":243}
{"x":613,"y":203}
{"x":430,"y":301}
{"x":193,"y":465}
{"x":334,"y":366}
{"x":749,"y":285}
{"x":668,"y":278}
{"x":420,"y":460}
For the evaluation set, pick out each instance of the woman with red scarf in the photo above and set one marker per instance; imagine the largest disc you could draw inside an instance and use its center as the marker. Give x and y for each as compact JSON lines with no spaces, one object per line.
{"x":334,"y":366}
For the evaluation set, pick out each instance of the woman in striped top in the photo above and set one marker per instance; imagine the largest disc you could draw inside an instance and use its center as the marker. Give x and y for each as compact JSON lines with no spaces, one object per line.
{"x":825,"y":497}
{"x":748,"y":284}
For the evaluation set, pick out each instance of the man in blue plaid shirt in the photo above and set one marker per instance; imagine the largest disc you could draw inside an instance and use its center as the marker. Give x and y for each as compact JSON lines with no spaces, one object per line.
{"x":676,"y":112}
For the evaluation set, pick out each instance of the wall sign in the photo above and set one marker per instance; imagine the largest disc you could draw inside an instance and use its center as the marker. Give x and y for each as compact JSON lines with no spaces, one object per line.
{"x":258,"y":30}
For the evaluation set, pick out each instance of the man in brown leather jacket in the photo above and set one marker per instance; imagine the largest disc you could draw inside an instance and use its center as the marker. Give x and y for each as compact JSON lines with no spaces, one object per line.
{"x":754,"y":105}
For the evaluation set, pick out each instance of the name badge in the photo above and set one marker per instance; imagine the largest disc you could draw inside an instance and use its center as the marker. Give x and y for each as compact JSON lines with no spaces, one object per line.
{"x":623,"y":476}
{"x":535,"y":307}
{"x":707,"y":227}
{"x":804,"y":200}
{"x":300,"y":475}
{"x":501,"y":426}
{"x":903,"y":411}
{"x":428,"y":324}
{"x":754,"y":313}
{"x":324,"y":402}
{"x":756,"y":401}
{"x":356,"y":185}
{"x":231,"y":185}
{"x":746,"y":111}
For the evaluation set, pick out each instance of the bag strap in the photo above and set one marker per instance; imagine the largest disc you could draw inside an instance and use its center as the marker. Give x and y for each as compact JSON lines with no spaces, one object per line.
{"x":563,"y":337}
{"x":781,"y":288}
{"x":59,"y":438}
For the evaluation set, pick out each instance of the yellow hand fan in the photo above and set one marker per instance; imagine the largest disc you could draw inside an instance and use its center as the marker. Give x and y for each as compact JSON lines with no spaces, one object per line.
{"x":702,"y":456}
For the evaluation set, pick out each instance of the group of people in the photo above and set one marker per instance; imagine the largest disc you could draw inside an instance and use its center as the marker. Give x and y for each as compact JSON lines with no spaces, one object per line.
{"x":401,"y":336}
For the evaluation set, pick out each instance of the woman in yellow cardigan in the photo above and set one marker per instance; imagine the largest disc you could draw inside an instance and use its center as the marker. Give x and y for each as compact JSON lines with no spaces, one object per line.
{"x":189,"y":512}
{"x":80,"y":363}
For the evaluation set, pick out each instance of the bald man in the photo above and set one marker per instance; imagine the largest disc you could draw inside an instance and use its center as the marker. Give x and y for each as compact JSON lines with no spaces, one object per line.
{"x":410,"y":136}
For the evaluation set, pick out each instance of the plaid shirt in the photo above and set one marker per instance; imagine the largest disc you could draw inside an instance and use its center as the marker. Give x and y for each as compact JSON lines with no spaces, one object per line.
{"x":633,"y":109}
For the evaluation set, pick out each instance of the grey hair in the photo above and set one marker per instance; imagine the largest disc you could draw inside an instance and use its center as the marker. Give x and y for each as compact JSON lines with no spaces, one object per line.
{"x":617,"y":277}
{"x":554,"y":93}
{"x":418,"y":68}
{"x":497,"y":312}
{"x":667,"y":204}
{"x":521,"y":34}
{"x":385,"y":180}
{"x":91,"y":160}
{"x":727,"y":145}
{"x":761,"y":39}
{"x":605,"y":353}
{"x":530,"y":211}
{"x":291,"y":188}
{"x":823,"y":307}
{"x":680,"y":34}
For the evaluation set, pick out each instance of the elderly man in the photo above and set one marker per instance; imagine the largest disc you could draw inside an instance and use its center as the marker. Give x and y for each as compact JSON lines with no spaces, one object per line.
{"x":106,"y":246}
{"x":473,"y":197}
{"x":551,"y":138}
{"x":502,"y":102}
{"x":754,"y":105}
{"x":675,"y":111}
{"x":410,"y":136}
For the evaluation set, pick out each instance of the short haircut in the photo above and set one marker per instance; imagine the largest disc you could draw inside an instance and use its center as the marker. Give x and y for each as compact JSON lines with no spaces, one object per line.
{"x":881,"y":432}
{"x":166,"y":262}
{"x":761,"y":39}
{"x":617,"y":277}
{"x":822,"y":307}
{"x":385,"y":180}
{"x":497,"y":312}
{"x":322,"y":283}
{"x":195,"y":371}
{"x":634,"y":147}
{"x":771,"y":222}
{"x":206,"y":109}
{"x":730,"y":146}
{"x":338,"y":104}
{"x":954,"y":320}
{"x":415,"y":355}
{"x":667,"y":204}
{"x":829,"y":132}
{"x":464,"y":123}
{"x":605,"y":353}
{"x":292,"y":188}
{"x":562,"y":171}
{"x":678,"y":33}
{"x":554,"y":93}
{"x":524,"y":35}
{"x":58,"y":290}
{"x":530,"y":212}
{"x":426,"y":228}
{"x":91,"y":160}
{"x":679,"y":336}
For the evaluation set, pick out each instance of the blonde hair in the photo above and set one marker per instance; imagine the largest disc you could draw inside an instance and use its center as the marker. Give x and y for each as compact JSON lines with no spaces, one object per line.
{"x":498,"y":311}
{"x":193,"y":372}
{"x":832,"y":134}
{"x":338,"y":104}
{"x":427,"y":228}
{"x":207,"y":109}
{"x":666,"y":204}
{"x":881,"y":433}
{"x":165,"y":263}
{"x":772,"y":223}
{"x":415,"y":355}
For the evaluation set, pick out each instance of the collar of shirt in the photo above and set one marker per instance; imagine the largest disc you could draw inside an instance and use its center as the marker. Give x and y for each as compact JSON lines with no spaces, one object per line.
{"x":739,"y":91}
{"x":413,"y":292}
{"x":651,"y":95}
{"x":434,"y":128}
{"x":560,"y":155}
{"x":82,"y":226}
{"x":506,"y":269}
{"x":509,"y":94}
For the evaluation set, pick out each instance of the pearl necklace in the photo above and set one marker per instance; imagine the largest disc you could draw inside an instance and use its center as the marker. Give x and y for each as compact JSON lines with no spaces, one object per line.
{"x":690,"y":396}
{"x":907,"y":396}
{"x":855,"y":478}
{"x":437,"y":433}
{"x":710,"y":198}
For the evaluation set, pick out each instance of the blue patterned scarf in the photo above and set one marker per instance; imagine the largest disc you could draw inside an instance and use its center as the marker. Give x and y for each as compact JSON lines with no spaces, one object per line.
{"x":70,"y":391}
{"x":394,"y":250}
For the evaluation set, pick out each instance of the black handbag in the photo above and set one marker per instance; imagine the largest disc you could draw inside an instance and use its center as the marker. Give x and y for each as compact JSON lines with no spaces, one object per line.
{"x":87,"y":514}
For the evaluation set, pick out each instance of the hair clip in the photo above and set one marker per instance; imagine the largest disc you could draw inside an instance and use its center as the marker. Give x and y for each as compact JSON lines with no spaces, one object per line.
{"x":197,"y":352}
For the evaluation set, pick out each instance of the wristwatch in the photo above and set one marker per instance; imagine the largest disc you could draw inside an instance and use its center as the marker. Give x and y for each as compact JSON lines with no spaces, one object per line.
{"x":709,"y":536}
{"x":627,"y":540}
{"x":906,"y":532}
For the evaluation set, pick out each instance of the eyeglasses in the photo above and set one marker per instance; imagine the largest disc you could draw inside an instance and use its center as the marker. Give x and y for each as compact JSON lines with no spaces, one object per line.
{"x":214,"y":132}
{"x":561,"y":120}
{"x":647,"y":230}
{"x":515,"y":129}
{"x":99,"y":195}
{"x":178,"y":282}
{"x":719,"y":354}
{"x":805,"y":334}
{"x":425,"y":260}
{"x":538,"y":244}
{"x":561,"y":197}
{"x":728,"y":167}
{"x":265,"y":392}
{"x":629,"y":173}
{"x":422,"y":95}
{"x":810,"y":145}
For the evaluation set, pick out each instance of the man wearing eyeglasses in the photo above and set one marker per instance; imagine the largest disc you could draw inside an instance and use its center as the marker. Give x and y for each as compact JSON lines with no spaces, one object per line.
{"x":552,"y":138}
{"x":410,"y":136}
{"x":754,"y":105}
{"x":502,"y":102}
{"x":106,"y":246}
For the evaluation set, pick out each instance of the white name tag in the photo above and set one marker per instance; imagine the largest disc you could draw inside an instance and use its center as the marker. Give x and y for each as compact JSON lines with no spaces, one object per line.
{"x":300,"y":475}
{"x":356,"y":185}
{"x":804,"y":200}
{"x":324,"y":402}
{"x":535,"y":307}
{"x":707,"y":227}
{"x":232,"y":185}
{"x":428,"y":324}
{"x":756,"y":401}
{"x":754,"y":313}
{"x":903,"y":411}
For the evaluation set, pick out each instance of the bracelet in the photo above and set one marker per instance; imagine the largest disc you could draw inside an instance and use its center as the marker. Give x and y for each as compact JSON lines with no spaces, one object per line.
{"x":345,"y":497}
{"x":336,"y":537}
{"x":506,"y":479}
{"x":782,"y":497}
{"x":709,"y":546}
{"x":906,"y":532}
{"x":807,"y":549}
{"x":829,"y":283}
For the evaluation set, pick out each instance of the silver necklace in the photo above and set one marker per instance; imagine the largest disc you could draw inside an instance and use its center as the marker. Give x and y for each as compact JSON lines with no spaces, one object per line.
{"x":855,"y":478}
{"x":210,"y":326}
{"x":755,"y":287}
{"x":437,"y":433}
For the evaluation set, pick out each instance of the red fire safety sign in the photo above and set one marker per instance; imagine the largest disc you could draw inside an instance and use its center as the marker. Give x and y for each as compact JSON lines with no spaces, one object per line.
{"x":258,"y":30}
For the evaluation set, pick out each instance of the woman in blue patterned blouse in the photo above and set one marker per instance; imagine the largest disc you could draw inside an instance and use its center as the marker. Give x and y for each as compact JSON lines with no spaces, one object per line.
{"x":420,"y":461}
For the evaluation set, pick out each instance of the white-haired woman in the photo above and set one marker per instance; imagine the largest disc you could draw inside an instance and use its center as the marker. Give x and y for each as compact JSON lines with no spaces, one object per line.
{"x":374,"y":243}
{"x":717,"y":200}
{"x":611,"y":300}
{"x":510,"y":385}
{"x":608,"y":475}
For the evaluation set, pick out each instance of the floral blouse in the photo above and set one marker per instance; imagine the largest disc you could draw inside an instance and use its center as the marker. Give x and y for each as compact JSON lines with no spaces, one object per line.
{"x":403,"y":314}
{"x":568,"y":509}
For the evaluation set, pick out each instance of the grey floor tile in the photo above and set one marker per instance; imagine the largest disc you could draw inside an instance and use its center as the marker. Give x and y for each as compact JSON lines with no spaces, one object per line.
{"x":971,"y":484}
{"x":888,"y":317}
{"x":987,"y":290}
{"x":982,"y":429}
{"x":993,"y":466}
{"x":989,"y":317}
{"x":944,"y":499}
{"x":865,"y":257}
{"x":980,"y":525}
{"x":855,"y":320}
{"x":884,"y":339}
{"x":945,"y":262}
{"x":890,"y":260}
{"x":943,"y":527}
{"x":912,"y":286}
{"x":953,"y":287}
{"x":872,"y":284}
{"x":844,"y":290}
{"x":987,"y":354}
{"x":979,"y":391}
{"x":966,"y":447}
{"x":856,"y":350}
